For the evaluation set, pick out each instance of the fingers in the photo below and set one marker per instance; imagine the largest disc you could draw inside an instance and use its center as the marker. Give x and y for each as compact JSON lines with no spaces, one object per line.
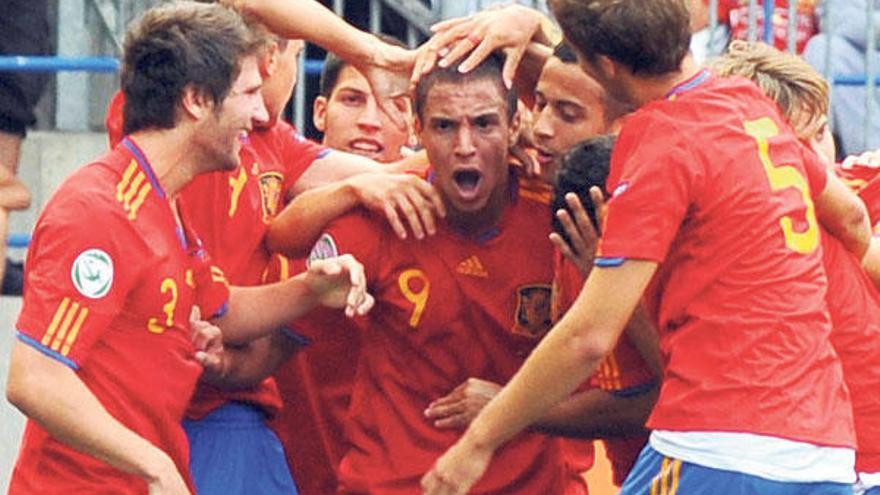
{"x":405,"y":203}
{"x":574,"y":236}
{"x":394,"y":220}
{"x":460,"y":48}
{"x":480,"y":53}
{"x":531,"y":166}
{"x":195,"y":314}
{"x":457,"y":421}
{"x":511,"y":63}
{"x":387,"y":104}
{"x":563,"y":247}
{"x":587,"y":232}
{"x":599,"y":204}
{"x":439,"y":410}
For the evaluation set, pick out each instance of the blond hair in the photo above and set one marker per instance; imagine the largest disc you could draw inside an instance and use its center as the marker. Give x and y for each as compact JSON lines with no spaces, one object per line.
{"x":786,"y":78}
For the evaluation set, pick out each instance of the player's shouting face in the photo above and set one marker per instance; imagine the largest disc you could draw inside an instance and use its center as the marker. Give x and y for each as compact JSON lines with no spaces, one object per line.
{"x":465,"y":130}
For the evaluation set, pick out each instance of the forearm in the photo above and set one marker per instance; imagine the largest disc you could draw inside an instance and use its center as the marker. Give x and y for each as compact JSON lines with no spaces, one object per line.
{"x":256,"y":311}
{"x":529,"y":71}
{"x":644,"y":337}
{"x":295,"y":230}
{"x":599,"y":414}
{"x":311,"y":21}
{"x":844,"y":216}
{"x":569,"y":353}
{"x":250,"y":364}
{"x":52,"y":394}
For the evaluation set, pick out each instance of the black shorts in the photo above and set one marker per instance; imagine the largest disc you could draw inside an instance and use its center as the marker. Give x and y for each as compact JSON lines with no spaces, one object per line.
{"x":24,"y":30}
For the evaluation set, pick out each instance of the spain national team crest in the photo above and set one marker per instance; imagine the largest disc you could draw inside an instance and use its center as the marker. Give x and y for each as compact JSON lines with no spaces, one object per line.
{"x":533,"y":317}
{"x":270,"y":191}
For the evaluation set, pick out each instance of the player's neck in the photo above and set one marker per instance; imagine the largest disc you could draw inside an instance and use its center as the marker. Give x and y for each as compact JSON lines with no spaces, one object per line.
{"x":648,"y":89}
{"x":169,"y":156}
{"x":475,"y":224}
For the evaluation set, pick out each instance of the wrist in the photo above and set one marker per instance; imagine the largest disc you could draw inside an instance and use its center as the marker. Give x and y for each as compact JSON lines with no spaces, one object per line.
{"x":155,"y":466}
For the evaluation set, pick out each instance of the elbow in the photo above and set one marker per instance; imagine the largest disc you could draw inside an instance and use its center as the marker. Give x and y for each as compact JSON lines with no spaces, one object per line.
{"x":589,"y":349}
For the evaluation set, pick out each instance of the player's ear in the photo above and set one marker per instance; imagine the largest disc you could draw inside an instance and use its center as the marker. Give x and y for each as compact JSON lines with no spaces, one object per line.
{"x":269,"y":60}
{"x":195,"y":102}
{"x":607,"y":66}
{"x":319,"y":113}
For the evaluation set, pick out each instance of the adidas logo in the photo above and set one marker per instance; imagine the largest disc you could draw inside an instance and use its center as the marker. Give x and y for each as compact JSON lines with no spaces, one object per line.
{"x":472,"y":267}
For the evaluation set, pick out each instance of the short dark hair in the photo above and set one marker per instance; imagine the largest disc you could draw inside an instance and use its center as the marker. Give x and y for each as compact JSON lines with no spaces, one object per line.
{"x":584,"y":166}
{"x":333,"y":66}
{"x":490,"y":68}
{"x":651,"y":37}
{"x":565,"y":53}
{"x":175,"y":45}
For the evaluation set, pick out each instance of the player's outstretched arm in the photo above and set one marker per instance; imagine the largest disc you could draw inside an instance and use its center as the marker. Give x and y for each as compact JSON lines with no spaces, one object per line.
{"x":257,"y":311}
{"x":593,"y":413}
{"x":565,"y":358}
{"x":386,"y":67}
{"x":51,"y":394}
{"x":404,"y":200}
{"x":844,"y":215}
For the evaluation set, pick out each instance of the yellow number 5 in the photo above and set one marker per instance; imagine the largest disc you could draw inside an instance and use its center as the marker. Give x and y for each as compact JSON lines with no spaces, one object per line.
{"x":168,"y":285}
{"x":418,"y":298}
{"x":783,"y":177}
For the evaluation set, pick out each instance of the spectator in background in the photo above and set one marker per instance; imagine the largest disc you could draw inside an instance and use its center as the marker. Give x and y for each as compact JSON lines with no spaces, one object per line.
{"x":848,"y":45}
{"x":733,"y":23}
{"x":25,"y":33}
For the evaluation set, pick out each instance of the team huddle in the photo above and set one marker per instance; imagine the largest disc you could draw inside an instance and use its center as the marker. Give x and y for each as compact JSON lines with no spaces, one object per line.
{"x":513,"y":241}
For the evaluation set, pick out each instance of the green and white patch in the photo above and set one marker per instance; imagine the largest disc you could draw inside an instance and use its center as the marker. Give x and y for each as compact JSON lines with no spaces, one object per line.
{"x":92,"y":273}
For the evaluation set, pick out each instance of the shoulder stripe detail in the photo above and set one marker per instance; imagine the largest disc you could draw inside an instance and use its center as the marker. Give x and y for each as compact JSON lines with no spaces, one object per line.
{"x":138,"y":201}
{"x":46,"y":351}
{"x":133,"y":189}
{"x":56,"y":319}
{"x":126,"y":179}
{"x":71,"y":337}
{"x":65,"y":326}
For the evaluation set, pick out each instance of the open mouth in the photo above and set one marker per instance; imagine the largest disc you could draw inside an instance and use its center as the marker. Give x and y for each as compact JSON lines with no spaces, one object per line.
{"x":365,"y":147}
{"x":545,"y":157}
{"x":467,"y":180}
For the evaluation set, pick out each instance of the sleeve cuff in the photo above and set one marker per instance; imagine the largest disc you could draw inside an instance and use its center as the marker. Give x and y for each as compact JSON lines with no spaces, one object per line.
{"x":635,"y":390}
{"x":47,"y":351}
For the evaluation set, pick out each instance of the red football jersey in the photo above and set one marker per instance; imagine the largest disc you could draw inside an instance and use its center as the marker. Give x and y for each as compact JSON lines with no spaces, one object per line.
{"x":231,"y":211}
{"x":736,"y":14}
{"x":110,"y":284}
{"x":864,"y":179}
{"x":316,"y":388}
{"x":448,"y":308}
{"x":854,"y":306}
{"x":622,"y":372}
{"x":740,"y":291}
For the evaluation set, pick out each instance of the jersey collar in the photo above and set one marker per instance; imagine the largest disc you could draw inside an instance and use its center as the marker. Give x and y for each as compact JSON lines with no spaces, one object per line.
{"x":695,"y":81}
{"x":145,"y":165}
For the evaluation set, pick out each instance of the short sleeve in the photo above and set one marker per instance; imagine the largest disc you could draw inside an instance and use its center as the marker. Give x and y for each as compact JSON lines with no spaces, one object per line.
{"x":298,"y":154}
{"x":77,"y":278}
{"x":356,"y":233}
{"x":211,"y":287}
{"x":656,"y":180}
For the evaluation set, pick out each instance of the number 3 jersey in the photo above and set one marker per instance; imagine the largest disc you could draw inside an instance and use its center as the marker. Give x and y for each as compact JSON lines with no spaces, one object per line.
{"x":110,"y":284}
{"x":714,"y":186}
{"x":447,"y":308}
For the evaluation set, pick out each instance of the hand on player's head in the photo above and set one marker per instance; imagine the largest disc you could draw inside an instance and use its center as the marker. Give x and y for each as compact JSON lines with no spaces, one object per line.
{"x":509,"y":29}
